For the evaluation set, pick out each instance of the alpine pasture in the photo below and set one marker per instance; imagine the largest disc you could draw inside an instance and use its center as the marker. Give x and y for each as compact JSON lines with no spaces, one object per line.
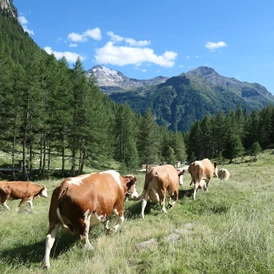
{"x":227,"y":230}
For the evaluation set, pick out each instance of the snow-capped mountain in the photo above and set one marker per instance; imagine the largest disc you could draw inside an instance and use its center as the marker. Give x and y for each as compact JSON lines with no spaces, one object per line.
{"x":110,"y":80}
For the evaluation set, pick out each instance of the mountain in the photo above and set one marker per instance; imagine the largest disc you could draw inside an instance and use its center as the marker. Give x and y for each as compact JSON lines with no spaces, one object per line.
{"x":180,"y":100}
{"x":8,"y":7}
{"x":112,"y":81}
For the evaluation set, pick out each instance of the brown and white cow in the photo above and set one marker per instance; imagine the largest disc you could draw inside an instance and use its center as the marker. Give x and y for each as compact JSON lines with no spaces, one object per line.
{"x":160,"y":181}
{"x":84,"y":201}
{"x":26,"y":191}
{"x":223,"y":174}
{"x":202,"y":170}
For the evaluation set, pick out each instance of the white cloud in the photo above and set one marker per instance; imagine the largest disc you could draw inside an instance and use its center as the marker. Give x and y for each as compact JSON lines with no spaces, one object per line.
{"x":115,"y":37}
{"x":123,"y":55}
{"x":73,"y":45}
{"x":213,"y":46}
{"x":70,"y":56}
{"x":187,"y":57}
{"x":91,"y":33}
{"x":76,"y":37}
{"x":133,"y":42}
{"x":31,"y":32}
{"x":23,"y":21}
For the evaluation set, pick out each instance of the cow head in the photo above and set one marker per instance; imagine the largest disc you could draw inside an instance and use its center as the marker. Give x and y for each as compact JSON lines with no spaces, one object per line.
{"x":215,"y":172}
{"x":131,"y":186}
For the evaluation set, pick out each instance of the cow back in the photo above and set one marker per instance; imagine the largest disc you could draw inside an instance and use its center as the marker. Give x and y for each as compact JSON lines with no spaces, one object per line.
{"x":202,"y":169}
{"x":163,"y":177}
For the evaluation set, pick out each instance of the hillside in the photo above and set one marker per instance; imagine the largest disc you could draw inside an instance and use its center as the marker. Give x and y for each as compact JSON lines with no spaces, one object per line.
{"x":180,"y":100}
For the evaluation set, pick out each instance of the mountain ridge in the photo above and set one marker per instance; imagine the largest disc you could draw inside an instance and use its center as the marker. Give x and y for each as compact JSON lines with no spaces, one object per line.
{"x":178,"y":101}
{"x":110,"y":80}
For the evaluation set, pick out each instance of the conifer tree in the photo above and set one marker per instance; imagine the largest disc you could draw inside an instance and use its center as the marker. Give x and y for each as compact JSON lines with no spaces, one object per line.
{"x":218,"y":133}
{"x":124,"y":133}
{"x":205,"y":138}
{"x":233,"y":147}
{"x":265,"y":126}
{"x":194,"y":144}
{"x":251,"y":129}
{"x":148,"y":144}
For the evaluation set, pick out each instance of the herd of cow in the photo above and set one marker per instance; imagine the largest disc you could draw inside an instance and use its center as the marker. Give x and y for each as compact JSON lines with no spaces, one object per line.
{"x":86,"y":200}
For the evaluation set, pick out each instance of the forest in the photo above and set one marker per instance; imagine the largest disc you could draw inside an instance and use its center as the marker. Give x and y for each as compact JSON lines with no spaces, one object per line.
{"x":49,"y":109}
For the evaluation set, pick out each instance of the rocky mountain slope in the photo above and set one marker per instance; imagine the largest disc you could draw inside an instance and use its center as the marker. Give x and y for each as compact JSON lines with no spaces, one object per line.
{"x":180,"y":100}
{"x":111,"y":81}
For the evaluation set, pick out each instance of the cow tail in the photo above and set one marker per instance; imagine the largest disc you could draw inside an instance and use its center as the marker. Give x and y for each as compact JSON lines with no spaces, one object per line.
{"x":59,"y":209}
{"x":139,"y":197}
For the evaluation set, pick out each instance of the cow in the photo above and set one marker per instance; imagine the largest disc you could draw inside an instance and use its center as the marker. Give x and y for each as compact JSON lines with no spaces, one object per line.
{"x":26,"y":191}
{"x":223,"y":174}
{"x":202,"y":170}
{"x":160,"y":181}
{"x":84,"y":201}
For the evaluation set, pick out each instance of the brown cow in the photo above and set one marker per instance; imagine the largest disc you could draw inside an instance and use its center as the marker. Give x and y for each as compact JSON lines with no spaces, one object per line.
{"x":84,"y":201}
{"x":202,"y":170}
{"x":223,"y":174}
{"x":160,"y":181}
{"x":26,"y":191}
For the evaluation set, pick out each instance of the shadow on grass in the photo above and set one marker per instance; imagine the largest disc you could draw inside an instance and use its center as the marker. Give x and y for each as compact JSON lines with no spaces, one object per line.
{"x":185,"y":193}
{"x":34,"y":253}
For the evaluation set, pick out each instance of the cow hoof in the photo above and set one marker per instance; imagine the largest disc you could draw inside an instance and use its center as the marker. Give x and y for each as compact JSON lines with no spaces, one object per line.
{"x":45,"y":266}
{"x":110,"y":231}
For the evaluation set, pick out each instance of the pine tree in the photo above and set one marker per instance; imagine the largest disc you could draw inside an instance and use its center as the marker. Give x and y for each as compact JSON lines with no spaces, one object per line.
{"x":148,"y":144}
{"x":233,"y":147}
{"x":124,"y":133}
{"x":265,"y":126}
{"x":251,"y":129}
{"x":206,"y":138}
{"x":194,"y":144}
{"x":218,"y":134}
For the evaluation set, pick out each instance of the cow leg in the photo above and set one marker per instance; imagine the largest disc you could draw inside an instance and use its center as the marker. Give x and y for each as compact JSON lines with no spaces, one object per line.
{"x":206,"y":185}
{"x":162,"y":203}
{"x":175,"y":199}
{"x":162,"y":195}
{"x":49,"y":243}
{"x":195,"y":190}
{"x":144,"y":203}
{"x":84,"y":234}
{"x":120,"y":220}
{"x":5,"y":205}
{"x":22,"y":202}
{"x":30,"y":203}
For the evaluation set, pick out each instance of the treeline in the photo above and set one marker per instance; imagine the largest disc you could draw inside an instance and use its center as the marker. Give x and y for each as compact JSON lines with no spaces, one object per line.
{"x":231,"y":135}
{"x":49,"y":110}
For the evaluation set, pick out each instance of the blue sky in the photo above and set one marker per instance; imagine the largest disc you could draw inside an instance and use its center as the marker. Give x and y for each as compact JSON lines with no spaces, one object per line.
{"x":148,"y":38}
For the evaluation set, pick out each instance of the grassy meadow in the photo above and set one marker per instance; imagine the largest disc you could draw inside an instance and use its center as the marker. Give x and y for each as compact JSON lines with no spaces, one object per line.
{"x":227,"y":230}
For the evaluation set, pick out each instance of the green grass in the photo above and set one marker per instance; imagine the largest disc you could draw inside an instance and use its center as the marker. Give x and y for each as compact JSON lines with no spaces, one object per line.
{"x":227,"y":230}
